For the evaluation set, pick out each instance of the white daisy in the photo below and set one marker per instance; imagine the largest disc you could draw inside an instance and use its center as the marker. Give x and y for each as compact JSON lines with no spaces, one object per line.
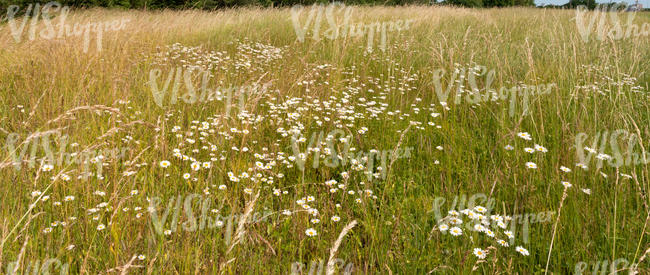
{"x":456,"y":231}
{"x":531,"y":165}
{"x":480,"y":253}
{"x":540,"y":148}
{"x":522,"y":250}
{"x":503,"y":243}
{"x":311,"y":232}
{"x":524,"y":135}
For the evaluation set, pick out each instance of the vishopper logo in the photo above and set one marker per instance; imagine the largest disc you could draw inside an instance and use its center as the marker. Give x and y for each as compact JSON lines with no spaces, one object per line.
{"x":615,"y":157}
{"x":604,"y":267}
{"x":468,"y":88}
{"x":317,"y":267}
{"x":35,"y":267}
{"x":191,"y":223}
{"x":43,"y":149}
{"x":185,"y":77}
{"x":329,"y":146}
{"x":597,"y":22}
{"x":34,"y":12}
{"x":343,"y":28}
{"x":480,"y":205}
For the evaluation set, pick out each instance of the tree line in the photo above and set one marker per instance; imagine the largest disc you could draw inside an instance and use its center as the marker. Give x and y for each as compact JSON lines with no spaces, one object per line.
{"x":218,"y":4}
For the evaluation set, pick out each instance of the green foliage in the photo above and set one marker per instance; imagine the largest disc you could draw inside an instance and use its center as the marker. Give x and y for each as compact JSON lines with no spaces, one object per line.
{"x":591,"y":4}
{"x":498,"y":3}
{"x":524,"y":3}
{"x":467,"y":3}
{"x":490,"y":3}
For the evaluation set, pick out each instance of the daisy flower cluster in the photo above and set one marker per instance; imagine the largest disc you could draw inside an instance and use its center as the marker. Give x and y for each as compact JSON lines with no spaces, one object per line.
{"x":254,"y":58}
{"x":532,"y":150}
{"x":536,"y":148}
{"x":223,"y":157}
{"x":67,"y":209}
{"x":605,"y":80}
{"x":72,"y":197}
{"x":489,"y":227}
{"x":231,"y":159}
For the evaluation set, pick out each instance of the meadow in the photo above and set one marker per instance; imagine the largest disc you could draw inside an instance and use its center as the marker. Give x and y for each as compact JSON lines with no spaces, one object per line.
{"x":325,"y":140}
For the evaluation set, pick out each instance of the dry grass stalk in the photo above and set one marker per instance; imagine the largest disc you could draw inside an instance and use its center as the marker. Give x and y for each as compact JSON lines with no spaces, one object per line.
{"x":27,"y":140}
{"x":557,"y":220}
{"x":20,"y":256}
{"x":71,"y":112}
{"x":335,"y":247}
{"x":123,"y":269}
{"x":393,"y":156}
{"x":239,"y":233}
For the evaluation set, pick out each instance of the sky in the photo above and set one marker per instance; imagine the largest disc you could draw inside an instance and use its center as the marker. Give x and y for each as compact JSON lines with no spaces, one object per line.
{"x":645,"y":3}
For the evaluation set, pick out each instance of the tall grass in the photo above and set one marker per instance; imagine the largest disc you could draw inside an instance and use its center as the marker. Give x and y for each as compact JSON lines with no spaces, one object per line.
{"x":393,"y":234}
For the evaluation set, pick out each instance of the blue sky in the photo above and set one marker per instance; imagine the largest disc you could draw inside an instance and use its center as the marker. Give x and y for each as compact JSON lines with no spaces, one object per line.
{"x":645,"y":3}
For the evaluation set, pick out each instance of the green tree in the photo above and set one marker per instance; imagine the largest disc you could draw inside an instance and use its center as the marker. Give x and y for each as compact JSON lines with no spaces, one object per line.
{"x":590,"y":4}
{"x":466,"y":3}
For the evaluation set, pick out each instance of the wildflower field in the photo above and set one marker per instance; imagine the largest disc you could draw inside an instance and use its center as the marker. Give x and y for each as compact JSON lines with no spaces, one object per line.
{"x":324,"y":139}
